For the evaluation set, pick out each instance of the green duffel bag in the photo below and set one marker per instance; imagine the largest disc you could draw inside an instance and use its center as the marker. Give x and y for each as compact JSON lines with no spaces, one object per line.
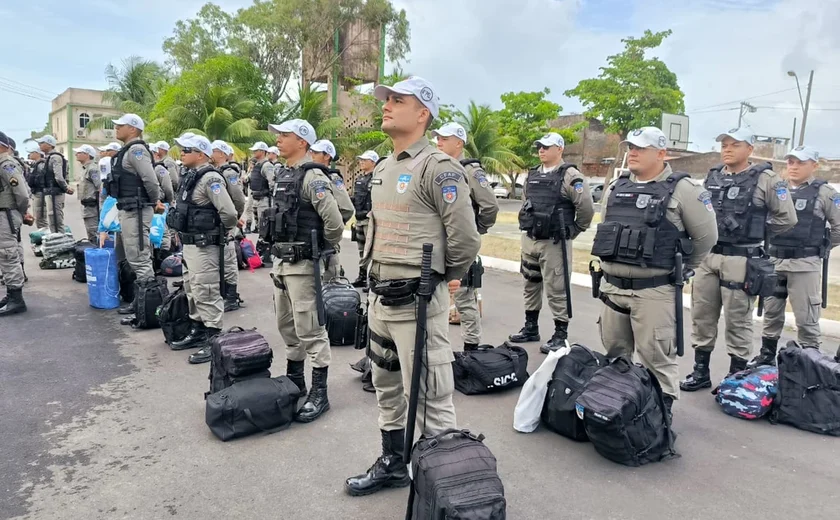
{"x":35,"y":237}
{"x":63,"y":261}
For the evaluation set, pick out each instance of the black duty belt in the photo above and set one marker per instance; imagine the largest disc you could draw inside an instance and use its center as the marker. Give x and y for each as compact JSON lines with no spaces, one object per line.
{"x":637,"y":284}
{"x":395,"y":293}
{"x":389,"y":365}
{"x":745,"y":251}
{"x":131,"y":204}
{"x":794,"y":252}
{"x":292,"y":252}
{"x":200,"y":239}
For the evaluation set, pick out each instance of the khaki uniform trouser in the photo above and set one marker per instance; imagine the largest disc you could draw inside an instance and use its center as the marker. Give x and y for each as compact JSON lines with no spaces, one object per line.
{"x":260,"y":206}
{"x":805,"y":294}
{"x":231,"y":265}
{"x":549,"y":257}
{"x":10,"y":251}
{"x":38,"y":212}
{"x":297,"y":320}
{"x":466,"y":301}
{"x":56,"y":224}
{"x":361,"y":231}
{"x":435,"y":409}
{"x":201,"y":283}
{"x":333,"y":268}
{"x":649,"y":330}
{"x":92,"y":229}
{"x":708,"y":297}
{"x":140,"y":261}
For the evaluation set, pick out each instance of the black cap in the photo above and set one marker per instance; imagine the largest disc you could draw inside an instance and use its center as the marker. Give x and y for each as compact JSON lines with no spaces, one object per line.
{"x":6,"y":141}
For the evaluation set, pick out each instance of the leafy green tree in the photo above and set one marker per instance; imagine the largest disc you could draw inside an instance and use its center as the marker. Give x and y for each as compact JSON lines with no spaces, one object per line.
{"x":632,"y":91}
{"x":200,"y":38}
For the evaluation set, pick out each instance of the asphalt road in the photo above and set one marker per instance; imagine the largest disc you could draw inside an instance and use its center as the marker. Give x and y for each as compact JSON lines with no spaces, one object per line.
{"x":99,"y":421}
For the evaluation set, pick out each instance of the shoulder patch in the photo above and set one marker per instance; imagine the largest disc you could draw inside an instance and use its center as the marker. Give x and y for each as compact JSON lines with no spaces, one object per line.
{"x":781,"y":190}
{"x":577,"y":184}
{"x":216,"y":187}
{"x":836,"y":200}
{"x":9,"y":167}
{"x":138,"y":153}
{"x":450,"y":194}
{"x":338,"y":181}
{"x":445,"y":176}
{"x":317,"y":184}
{"x":481,"y":177}
{"x":706,"y":198}
{"x":233,"y":179}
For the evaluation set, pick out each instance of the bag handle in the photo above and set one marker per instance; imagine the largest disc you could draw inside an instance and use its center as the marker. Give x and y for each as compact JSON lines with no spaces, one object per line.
{"x":588,"y":351}
{"x":267,"y":431}
{"x":624,"y":365}
{"x":454,"y":431}
{"x":340,"y":278}
{"x":240,"y":329}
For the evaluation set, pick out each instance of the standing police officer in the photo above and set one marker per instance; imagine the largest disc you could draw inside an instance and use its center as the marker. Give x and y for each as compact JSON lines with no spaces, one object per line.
{"x":55,"y":182}
{"x":558,"y":206}
{"x":202,"y":217}
{"x":14,"y":205}
{"x":304,"y":195}
{"x":749,"y":200}
{"x":135,"y":185}
{"x":91,"y":186}
{"x":648,"y":216}
{"x":162,"y":156}
{"x":419,"y":194}
{"x":451,"y":139}
{"x":37,"y":181}
{"x":362,"y":205}
{"x":222,"y":158}
{"x":168,"y":193}
{"x":799,"y":253}
{"x":106,"y":153}
{"x":323,"y":152}
{"x":261,"y":183}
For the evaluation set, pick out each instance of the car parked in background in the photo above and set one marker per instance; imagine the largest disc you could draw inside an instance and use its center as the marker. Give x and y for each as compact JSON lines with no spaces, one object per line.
{"x":503,"y":192}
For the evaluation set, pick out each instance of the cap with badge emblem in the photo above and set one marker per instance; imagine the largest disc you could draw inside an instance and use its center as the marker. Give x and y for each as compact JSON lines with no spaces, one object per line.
{"x":413,"y":86}
{"x":369,"y":155}
{"x":551,"y":139}
{"x":647,"y":137}
{"x":48,"y":139}
{"x":299,"y":127}
{"x":259,"y":145}
{"x":110,"y":147}
{"x":324,"y":146}
{"x":274,"y":150}
{"x":451,"y":130}
{"x":163,"y":145}
{"x":804,"y":153}
{"x":130,"y":120}
{"x":196,"y":142}
{"x":743,"y":134}
{"x":221,"y":146}
{"x":86,"y":148}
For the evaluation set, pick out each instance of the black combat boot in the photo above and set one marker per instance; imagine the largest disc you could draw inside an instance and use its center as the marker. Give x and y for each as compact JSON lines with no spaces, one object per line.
{"x":317,"y":403}
{"x":531,"y":330}
{"x":361,"y":280}
{"x":767,"y":354}
{"x":470,"y":346}
{"x":736,"y":364}
{"x":558,"y":339}
{"x":127,"y":309}
{"x":14,"y":304}
{"x":196,"y":338}
{"x":700,"y":378}
{"x":389,"y":470}
{"x":294,"y":371}
{"x":232,"y":300}
{"x":203,"y":355}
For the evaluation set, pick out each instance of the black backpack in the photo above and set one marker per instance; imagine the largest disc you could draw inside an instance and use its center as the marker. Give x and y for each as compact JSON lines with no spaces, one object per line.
{"x":241,"y":263}
{"x":247,"y":407}
{"x":238,"y":355}
{"x":126,"y":277}
{"x":490,"y":369}
{"x":150,"y":296}
{"x":79,"y":254}
{"x":809,"y":390}
{"x":571,"y":374}
{"x":174,"y":316}
{"x":625,"y":416}
{"x":340,"y":302}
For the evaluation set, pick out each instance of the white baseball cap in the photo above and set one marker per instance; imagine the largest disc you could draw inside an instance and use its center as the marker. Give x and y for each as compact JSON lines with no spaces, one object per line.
{"x":299,"y":127}
{"x":744,"y":134}
{"x":804,"y":153}
{"x":86,"y":148}
{"x":259,"y":145}
{"x":370,"y":155}
{"x":274,"y":150}
{"x":222,"y":147}
{"x":163,"y":145}
{"x":325,"y":146}
{"x":50,"y":140}
{"x":130,"y":120}
{"x":413,"y":86}
{"x":154,"y":148}
{"x":551,"y":139}
{"x":198,"y":142}
{"x":647,"y":137}
{"x":114,"y":147}
{"x":450,"y":129}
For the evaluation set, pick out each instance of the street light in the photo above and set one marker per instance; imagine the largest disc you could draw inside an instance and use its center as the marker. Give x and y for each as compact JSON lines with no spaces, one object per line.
{"x":804,"y":106}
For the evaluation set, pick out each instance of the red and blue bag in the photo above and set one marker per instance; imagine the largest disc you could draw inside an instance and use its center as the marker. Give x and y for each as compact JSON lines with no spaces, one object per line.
{"x":749,"y":394}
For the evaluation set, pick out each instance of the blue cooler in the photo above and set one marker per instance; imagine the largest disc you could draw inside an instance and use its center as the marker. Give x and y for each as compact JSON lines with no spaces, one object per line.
{"x":102,"y":278}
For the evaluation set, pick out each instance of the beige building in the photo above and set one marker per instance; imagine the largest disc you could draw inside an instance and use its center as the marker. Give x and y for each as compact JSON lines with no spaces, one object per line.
{"x":71,"y":112}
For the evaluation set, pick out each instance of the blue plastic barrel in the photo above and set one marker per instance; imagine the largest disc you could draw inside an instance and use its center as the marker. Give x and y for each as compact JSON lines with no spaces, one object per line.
{"x":102,"y":278}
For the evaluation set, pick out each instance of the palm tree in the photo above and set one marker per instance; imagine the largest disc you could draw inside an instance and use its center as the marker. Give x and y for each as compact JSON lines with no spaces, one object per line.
{"x":132,"y":88}
{"x":313,"y":106}
{"x":484,"y":141}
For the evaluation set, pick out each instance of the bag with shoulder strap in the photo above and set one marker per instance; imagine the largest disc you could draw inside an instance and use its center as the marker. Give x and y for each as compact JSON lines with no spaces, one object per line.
{"x":150,"y":296}
{"x":238,"y":354}
{"x":79,"y":271}
{"x":340,"y":302}
{"x":571,"y":373}
{"x":490,"y":369}
{"x":174,"y":316}
{"x":126,"y":277}
{"x":748,"y":394}
{"x":252,"y":406}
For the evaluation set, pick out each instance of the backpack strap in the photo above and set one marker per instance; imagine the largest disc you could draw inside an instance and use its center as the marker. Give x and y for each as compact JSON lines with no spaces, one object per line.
{"x":660,"y":399}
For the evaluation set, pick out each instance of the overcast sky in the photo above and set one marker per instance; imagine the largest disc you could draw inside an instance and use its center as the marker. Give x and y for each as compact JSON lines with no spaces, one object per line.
{"x":723,"y":51}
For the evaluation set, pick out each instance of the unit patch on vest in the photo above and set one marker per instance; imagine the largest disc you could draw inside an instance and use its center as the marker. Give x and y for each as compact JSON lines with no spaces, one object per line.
{"x":216,"y":188}
{"x":445,"y":176}
{"x":800,"y":204}
{"x":402,"y":183}
{"x":706,"y":199}
{"x":450,"y":193}
{"x":781,"y":190}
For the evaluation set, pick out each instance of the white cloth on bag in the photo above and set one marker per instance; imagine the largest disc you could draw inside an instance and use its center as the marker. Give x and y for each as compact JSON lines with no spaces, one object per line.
{"x":526,"y":415}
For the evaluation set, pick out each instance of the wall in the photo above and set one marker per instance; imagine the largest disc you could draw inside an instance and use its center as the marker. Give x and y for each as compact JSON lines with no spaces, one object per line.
{"x":593,"y":146}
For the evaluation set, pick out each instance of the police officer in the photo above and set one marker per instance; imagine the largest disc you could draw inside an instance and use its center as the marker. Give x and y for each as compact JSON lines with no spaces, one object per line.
{"x":162,"y":155}
{"x":90,"y":188}
{"x":14,"y":203}
{"x":362,"y":205}
{"x":135,"y":185}
{"x":55,"y":182}
{"x":749,"y":200}
{"x":304,"y":195}
{"x":451,"y":139}
{"x":168,"y":197}
{"x":36,"y":183}
{"x":202,"y":217}
{"x":222,"y":158}
{"x":106,"y":152}
{"x":558,"y":206}
{"x":666,"y":213}
{"x":261,"y":183}
{"x":419,"y":194}
{"x":323,"y":152}
{"x":799,"y":253}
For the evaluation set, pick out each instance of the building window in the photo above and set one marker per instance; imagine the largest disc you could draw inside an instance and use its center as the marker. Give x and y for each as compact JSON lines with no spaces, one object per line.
{"x":84,"y":119}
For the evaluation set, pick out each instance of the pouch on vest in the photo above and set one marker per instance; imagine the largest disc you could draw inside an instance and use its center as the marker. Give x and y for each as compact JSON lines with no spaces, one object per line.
{"x":761,"y":277}
{"x":607,"y":238}
{"x":542,"y":226}
{"x":177,"y":220}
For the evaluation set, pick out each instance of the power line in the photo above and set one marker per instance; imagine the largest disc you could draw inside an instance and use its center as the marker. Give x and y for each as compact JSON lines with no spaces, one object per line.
{"x":4,"y":88}
{"x":742,"y":99}
{"x":8,"y":80}
{"x":799,"y":109}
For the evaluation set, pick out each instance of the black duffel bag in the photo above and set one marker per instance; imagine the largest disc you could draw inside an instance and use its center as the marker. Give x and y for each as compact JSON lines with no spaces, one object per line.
{"x":340,"y":303}
{"x":79,"y":273}
{"x":252,"y":406}
{"x":490,"y":369}
{"x":571,"y":374}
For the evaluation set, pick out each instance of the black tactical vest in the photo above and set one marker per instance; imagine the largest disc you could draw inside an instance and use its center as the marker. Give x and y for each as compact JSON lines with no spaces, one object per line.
{"x":739,"y":221}
{"x":361,"y":196}
{"x":635,"y":230}
{"x":547,"y":213}
{"x":807,"y":236}
{"x":467,"y":162}
{"x":36,"y":179}
{"x":49,"y":174}
{"x":123,"y":184}
{"x":258,"y":182}
{"x":235,"y":167}
{"x":187,"y":217}
{"x":295,"y":218}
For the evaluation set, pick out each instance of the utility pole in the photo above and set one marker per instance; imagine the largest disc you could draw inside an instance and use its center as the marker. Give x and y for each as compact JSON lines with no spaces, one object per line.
{"x":745,"y":108}
{"x":805,"y":112}
{"x":793,"y":134}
